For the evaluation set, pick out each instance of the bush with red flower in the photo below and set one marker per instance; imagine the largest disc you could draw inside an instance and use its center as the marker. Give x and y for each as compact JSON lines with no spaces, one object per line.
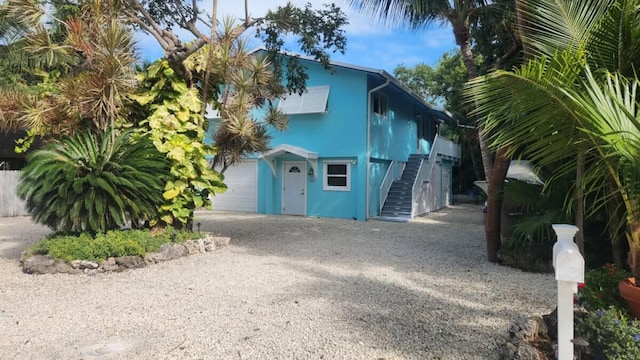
{"x":600,"y":288}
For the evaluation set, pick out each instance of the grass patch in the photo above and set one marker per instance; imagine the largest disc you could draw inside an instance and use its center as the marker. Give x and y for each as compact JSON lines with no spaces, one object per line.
{"x":113,"y":243}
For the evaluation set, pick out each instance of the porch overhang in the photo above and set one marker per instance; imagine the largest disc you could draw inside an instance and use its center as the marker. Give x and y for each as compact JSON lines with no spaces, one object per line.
{"x":271,"y":156}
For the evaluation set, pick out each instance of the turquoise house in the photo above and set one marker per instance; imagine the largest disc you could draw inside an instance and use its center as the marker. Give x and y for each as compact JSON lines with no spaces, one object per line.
{"x":359,"y":145}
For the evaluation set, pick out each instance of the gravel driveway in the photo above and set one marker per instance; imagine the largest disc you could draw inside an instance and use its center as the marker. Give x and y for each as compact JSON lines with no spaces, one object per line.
{"x":286,"y":288}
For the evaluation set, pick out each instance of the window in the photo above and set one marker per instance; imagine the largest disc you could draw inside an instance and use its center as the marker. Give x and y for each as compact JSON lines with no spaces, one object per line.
{"x":337,"y":176}
{"x":380,"y":104}
{"x":314,"y":100}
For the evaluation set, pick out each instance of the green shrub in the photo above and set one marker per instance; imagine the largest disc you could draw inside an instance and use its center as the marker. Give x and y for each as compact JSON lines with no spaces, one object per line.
{"x":611,"y":333}
{"x":600,"y":289}
{"x":110,"y":244}
{"x":531,"y":257}
{"x":94,"y":183}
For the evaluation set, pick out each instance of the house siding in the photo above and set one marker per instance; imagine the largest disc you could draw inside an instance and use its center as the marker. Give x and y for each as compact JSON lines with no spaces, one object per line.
{"x":341,"y":134}
{"x":337,"y":134}
{"x":394,"y":137}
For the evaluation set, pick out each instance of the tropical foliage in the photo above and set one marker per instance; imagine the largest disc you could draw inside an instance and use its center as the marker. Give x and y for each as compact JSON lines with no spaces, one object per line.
{"x":241,"y":81}
{"x":93,"y":183}
{"x":576,"y":99}
{"x":80,"y":67}
{"x":102,"y":246}
{"x":174,"y":124}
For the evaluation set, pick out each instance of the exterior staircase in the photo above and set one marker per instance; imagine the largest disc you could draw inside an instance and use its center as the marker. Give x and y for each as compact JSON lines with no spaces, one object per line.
{"x":399,"y":200}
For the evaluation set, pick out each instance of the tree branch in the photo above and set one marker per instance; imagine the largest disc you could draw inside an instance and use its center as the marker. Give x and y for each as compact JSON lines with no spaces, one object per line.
{"x":150,"y":26}
{"x":515,"y":47}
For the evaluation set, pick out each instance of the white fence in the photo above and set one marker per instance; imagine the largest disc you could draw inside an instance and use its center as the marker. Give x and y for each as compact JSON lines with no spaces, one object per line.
{"x":10,"y":203}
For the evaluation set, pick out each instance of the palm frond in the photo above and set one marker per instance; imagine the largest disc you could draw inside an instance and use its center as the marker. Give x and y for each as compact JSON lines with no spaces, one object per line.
{"x":561,"y":25}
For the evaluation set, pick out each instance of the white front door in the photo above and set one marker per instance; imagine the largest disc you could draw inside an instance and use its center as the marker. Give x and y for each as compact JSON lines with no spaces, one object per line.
{"x":294,"y":187}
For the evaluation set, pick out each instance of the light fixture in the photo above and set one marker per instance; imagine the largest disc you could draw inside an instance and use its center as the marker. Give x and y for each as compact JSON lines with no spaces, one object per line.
{"x":310,"y":173}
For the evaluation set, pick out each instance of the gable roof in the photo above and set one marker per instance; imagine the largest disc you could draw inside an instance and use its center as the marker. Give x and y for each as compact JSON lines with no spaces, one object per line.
{"x":438,"y":113}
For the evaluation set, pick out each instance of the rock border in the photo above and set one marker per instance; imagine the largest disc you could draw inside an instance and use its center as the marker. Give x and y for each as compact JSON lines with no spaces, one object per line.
{"x":45,"y":264}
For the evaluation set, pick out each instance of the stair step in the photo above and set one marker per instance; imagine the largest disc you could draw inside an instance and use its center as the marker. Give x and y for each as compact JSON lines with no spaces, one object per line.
{"x":397,"y":208}
{"x":393,"y":214}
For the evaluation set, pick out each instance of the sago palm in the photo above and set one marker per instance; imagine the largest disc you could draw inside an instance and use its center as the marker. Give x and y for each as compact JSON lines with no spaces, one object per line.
{"x":94,"y":183}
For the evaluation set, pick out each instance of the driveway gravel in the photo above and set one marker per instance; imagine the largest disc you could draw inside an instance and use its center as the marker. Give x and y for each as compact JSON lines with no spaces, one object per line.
{"x":286,"y":288}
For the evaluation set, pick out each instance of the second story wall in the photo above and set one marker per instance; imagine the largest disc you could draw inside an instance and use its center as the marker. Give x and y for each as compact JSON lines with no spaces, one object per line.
{"x":393,"y":124}
{"x":339,"y":131}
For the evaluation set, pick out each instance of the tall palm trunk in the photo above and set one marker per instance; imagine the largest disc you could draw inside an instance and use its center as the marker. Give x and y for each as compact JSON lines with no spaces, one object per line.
{"x":579,"y":204}
{"x":463,"y":39}
{"x":494,"y":204}
{"x":613,"y":213}
{"x":494,"y":173}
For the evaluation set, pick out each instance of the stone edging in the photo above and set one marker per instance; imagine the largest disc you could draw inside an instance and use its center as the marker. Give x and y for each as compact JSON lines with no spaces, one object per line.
{"x":44,"y":264}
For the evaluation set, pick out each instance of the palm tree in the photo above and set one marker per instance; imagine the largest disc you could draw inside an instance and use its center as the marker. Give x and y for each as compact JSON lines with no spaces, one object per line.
{"x":576,"y":96}
{"x":459,"y":14}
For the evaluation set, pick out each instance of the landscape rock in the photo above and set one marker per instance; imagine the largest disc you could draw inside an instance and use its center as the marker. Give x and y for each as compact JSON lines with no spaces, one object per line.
{"x":532,"y":329}
{"x":130,"y":262}
{"x":84,"y":264}
{"x":551,"y":320}
{"x":521,"y":350}
{"x":64,"y":267}
{"x":153,"y":258}
{"x":172,"y":251}
{"x":528,"y":340}
{"x":209,"y":243}
{"x":109,"y":265}
{"x":43,"y":264}
{"x":194,"y":246}
{"x":38,"y":264}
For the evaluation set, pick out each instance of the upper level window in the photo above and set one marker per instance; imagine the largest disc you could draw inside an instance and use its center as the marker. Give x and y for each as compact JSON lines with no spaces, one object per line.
{"x":313,"y":100}
{"x":380,"y":104}
{"x":337,"y":175}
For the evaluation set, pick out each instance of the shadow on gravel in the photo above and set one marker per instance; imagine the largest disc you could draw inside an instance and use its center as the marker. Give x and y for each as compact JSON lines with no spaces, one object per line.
{"x":449,"y":236}
{"x":16,"y":233}
{"x":412,"y":311}
{"x":415,"y":323}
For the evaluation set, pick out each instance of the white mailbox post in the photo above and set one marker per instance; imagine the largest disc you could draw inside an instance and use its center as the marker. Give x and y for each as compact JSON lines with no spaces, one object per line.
{"x":569,"y":267}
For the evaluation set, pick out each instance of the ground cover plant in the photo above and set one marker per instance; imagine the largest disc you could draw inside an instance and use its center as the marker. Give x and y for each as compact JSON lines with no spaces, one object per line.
{"x":114,"y":243}
{"x":606,"y":324}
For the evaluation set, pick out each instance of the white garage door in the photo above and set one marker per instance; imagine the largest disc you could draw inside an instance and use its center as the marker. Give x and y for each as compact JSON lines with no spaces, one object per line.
{"x":242,"y":188}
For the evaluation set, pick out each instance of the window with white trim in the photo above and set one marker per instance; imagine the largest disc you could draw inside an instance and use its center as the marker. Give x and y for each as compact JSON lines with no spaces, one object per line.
{"x":337,"y":175}
{"x":379,"y":104}
{"x":312,"y":101}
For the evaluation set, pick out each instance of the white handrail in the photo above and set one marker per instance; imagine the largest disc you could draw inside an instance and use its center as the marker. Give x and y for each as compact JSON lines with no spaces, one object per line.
{"x":387,"y":181}
{"x":440,"y":146}
{"x":400,"y":170}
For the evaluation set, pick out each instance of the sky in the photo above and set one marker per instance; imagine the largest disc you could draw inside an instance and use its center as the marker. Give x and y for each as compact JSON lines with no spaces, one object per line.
{"x":369,"y":43}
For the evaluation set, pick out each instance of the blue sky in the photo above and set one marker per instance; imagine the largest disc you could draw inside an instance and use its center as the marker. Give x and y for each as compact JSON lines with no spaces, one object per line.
{"x":368,"y":43}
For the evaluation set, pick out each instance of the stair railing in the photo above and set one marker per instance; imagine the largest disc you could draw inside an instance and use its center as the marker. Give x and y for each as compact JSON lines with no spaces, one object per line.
{"x":387,"y":181}
{"x":424,"y":174}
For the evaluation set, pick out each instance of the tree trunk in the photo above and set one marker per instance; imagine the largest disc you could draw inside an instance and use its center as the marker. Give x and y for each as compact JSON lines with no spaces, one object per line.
{"x":472,"y":150}
{"x":505,"y":221}
{"x":494,"y":204}
{"x":579,"y":204}
{"x":616,"y":253}
{"x":467,"y":57}
{"x":633,"y":237}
